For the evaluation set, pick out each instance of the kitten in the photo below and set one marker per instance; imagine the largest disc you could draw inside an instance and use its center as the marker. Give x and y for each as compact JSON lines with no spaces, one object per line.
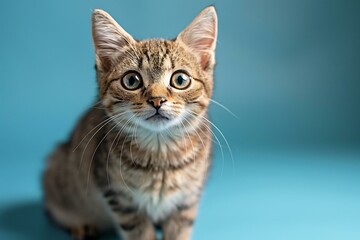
{"x":140,"y":156}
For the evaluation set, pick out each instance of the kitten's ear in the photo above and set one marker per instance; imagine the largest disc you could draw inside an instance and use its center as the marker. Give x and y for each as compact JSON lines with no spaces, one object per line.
{"x":109,"y":39}
{"x":200,"y":36}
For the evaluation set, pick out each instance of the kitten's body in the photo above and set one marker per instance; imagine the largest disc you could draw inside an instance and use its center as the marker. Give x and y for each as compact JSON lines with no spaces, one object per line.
{"x":124,"y":166}
{"x":156,"y":190}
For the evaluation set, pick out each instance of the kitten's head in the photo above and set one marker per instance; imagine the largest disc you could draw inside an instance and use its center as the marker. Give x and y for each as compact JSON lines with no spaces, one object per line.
{"x":155,"y":83}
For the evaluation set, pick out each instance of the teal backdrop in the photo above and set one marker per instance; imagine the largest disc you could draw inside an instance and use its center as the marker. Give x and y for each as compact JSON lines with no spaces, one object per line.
{"x":288,"y":69}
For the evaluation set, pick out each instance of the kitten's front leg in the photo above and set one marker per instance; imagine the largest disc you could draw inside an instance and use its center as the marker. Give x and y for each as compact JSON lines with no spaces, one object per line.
{"x":179,"y":225}
{"x":135,"y":227}
{"x":131,"y":224}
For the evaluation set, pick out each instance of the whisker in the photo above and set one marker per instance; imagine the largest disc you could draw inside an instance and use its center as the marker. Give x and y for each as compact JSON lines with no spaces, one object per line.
{"x":96,"y":148}
{"x":122,"y":147}
{"x":108,"y":156}
{"x":196,"y":133}
{"x":171,"y":135}
{"x":225,"y":108}
{"x":232,"y":158}
{"x":108,"y":119}
{"x":137,"y":126}
{"x":186,"y":131}
{"x":206,"y":135}
{"x":163,"y":145}
{"x":87,"y":144}
{"x":217,"y":139}
{"x":131,"y":142}
{"x":183,"y":136}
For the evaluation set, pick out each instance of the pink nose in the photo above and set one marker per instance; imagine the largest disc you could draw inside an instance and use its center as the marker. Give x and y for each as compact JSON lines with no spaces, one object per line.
{"x":156,"y":102}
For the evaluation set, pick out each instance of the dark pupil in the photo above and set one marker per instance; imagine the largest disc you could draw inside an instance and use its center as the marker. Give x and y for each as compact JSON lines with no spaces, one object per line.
{"x":180,"y":80}
{"x":132,"y":80}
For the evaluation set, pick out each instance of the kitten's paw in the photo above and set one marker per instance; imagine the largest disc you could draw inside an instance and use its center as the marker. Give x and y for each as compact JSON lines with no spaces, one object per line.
{"x":84,"y":233}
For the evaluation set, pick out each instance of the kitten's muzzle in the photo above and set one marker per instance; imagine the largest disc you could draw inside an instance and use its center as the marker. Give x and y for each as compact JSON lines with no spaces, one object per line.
{"x":156,"y":102}
{"x":157,"y":116}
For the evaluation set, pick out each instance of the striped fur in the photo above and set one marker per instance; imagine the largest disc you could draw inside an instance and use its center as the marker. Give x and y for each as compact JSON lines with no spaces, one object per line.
{"x":124,"y":168}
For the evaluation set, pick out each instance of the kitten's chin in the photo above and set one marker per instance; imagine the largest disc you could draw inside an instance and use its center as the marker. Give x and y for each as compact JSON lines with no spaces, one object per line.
{"x":158,"y":123}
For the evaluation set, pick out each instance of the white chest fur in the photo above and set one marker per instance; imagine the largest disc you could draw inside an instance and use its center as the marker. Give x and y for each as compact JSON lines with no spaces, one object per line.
{"x":155,"y":197}
{"x":156,"y":205}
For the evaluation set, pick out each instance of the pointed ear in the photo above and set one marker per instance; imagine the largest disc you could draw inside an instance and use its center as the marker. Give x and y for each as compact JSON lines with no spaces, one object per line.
{"x":200,"y":36}
{"x":109,"y":39}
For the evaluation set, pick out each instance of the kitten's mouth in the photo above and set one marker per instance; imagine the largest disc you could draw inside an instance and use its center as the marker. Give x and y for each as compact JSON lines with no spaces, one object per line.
{"x":157,"y":116}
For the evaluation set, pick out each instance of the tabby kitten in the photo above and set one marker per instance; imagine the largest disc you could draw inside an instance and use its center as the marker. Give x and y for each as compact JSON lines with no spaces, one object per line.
{"x":140,"y":156}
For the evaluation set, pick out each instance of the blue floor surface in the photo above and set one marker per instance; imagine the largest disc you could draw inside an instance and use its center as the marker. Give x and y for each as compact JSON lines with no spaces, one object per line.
{"x":262,"y":195}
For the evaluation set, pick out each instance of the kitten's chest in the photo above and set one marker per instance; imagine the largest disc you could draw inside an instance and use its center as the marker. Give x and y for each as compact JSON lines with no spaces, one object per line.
{"x":161,"y":195}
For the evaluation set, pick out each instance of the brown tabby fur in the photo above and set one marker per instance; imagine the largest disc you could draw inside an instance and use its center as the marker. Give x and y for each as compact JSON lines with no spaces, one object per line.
{"x":119,"y":169}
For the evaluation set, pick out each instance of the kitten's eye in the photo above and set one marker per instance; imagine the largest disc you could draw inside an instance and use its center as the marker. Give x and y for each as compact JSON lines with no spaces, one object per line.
{"x":131,"y":81}
{"x":180,"y":80}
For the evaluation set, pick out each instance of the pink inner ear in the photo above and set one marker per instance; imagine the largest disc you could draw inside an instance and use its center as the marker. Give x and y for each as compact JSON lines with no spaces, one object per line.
{"x":204,"y":60}
{"x":201,"y":35}
{"x":206,"y":44}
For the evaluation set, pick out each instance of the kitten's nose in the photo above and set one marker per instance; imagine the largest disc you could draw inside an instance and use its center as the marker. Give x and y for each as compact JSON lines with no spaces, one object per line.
{"x":156,"y":102}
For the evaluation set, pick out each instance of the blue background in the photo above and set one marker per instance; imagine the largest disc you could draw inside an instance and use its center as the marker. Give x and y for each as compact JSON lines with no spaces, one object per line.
{"x":290,"y":71}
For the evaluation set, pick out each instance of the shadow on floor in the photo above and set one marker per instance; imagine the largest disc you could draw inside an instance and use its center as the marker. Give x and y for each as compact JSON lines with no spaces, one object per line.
{"x":28,"y":220}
